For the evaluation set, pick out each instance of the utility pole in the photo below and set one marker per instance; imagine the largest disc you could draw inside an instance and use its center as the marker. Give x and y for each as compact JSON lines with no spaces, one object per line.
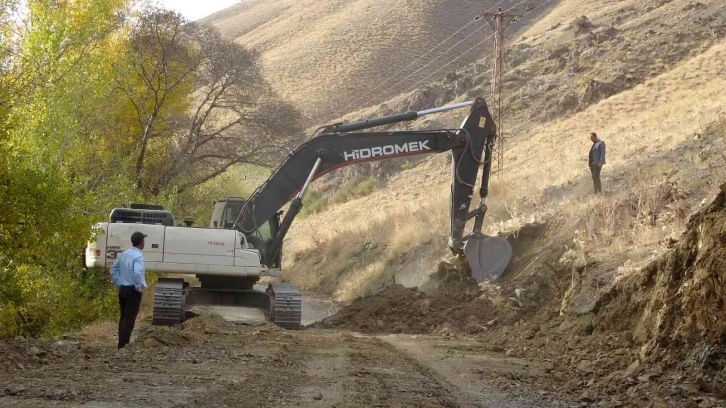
{"x":499,"y":22}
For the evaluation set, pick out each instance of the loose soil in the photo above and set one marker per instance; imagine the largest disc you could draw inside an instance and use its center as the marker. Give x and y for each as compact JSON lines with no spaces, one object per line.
{"x":209,"y":362}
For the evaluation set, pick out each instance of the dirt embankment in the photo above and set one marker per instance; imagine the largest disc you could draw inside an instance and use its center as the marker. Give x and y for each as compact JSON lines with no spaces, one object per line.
{"x":657,"y":336}
{"x":676,"y":307}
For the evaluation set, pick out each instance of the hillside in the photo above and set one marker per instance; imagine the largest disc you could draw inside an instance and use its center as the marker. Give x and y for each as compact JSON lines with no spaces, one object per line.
{"x":324,"y":55}
{"x":673,"y":98}
{"x":611,"y":300}
{"x":648,"y":77}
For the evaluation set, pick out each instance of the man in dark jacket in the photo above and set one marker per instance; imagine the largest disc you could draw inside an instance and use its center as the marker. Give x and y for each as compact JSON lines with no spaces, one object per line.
{"x":596,"y":160}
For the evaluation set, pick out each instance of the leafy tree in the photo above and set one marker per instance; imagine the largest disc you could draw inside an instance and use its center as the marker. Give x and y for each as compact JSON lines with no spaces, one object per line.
{"x":200,"y":104}
{"x":56,"y":74}
{"x":100,"y":106}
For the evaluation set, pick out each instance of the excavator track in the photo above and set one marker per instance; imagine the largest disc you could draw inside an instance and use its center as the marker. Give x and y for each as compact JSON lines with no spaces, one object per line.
{"x":169,"y":302}
{"x":285,"y":305}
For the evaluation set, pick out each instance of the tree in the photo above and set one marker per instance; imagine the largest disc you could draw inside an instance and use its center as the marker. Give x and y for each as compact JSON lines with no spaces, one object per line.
{"x":200,"y":104}
{"x":54,"y":65}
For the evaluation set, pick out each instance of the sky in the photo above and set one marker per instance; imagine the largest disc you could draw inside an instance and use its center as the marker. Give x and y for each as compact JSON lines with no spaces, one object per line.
{"x":196,"y":9}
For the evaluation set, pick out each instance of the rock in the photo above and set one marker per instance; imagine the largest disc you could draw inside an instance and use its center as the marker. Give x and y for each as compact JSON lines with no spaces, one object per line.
{"x":151,"y":342}
{"x":633,"y":369}
{"x":703,"y":385}
{"x":57,"y":395}
{"x":660,"y":403}
{"x":705,"y":404}
{"x":647,"y":377}
{"x":689,"y":389}
{"x":596,"y":91}
{"x":585,"y":366}
{"x":548,"y":366}
{"x":318,"y":396}
{"x":15,"y":390}
{"x":588,"y":396}
{"x":581,"y":24}
{"x":34,"y":351}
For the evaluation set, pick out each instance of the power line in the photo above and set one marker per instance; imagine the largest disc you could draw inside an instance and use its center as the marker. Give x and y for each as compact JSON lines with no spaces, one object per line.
{"x":439,"y":56}
{"x":467,"y":51}
{"x":447,"y":64}
{"x":421,"y":68}
{"x":405,"y":68}
{"x":429,"y":63}
{"x":409,"y":65}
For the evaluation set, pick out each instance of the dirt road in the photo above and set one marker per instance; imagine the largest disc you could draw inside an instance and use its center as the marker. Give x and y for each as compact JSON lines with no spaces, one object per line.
{"x":211,"y":362}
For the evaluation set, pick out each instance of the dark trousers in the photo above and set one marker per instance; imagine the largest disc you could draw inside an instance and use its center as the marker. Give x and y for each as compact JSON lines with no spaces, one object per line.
{"x":129,"y":301}
{"x":595,"y":170}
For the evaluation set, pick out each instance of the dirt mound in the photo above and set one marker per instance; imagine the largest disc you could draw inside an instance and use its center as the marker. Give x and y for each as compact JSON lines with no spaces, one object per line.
{"x":154,"y":336}
{"x":452,"y":280}
{"x":191,"y":331}
{"x":207,"y":324}
{"x":394,"y":309}
{"x":20,"y":353}
{"x":657,"y":336}
{"x":451,"y":302}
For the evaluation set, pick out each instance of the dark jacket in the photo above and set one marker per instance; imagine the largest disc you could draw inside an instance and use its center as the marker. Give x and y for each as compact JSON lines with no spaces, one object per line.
{"x":597,"y":153}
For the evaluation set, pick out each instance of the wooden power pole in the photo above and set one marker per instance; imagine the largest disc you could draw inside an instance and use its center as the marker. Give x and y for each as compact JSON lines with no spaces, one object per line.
{"x":499,"y":22}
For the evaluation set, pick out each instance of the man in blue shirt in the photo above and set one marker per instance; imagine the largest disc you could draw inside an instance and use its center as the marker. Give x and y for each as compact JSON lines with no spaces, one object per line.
{"x":596,"y":160}
{"x":128,"y":275}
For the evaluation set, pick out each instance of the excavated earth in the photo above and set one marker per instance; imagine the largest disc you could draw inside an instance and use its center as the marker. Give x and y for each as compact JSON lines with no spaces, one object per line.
{"x":655,"y":338}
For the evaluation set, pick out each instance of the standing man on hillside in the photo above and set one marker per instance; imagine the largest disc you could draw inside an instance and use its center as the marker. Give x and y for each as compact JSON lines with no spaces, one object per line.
{"x":129,"y":277}
{"x":596,"y":160}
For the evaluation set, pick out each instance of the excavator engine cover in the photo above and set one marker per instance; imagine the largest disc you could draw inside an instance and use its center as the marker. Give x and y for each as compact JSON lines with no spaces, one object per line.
{"x":488,"y":256}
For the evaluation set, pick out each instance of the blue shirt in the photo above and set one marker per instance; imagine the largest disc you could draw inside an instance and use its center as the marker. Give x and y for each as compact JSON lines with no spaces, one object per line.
{"x":128,"y":269}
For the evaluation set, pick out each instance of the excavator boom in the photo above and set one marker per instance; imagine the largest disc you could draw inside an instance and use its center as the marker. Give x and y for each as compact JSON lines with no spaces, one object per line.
{"x":342,"y":145}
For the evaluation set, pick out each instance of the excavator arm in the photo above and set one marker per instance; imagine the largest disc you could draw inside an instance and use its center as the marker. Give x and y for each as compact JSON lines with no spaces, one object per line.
{"x":342,"y":144}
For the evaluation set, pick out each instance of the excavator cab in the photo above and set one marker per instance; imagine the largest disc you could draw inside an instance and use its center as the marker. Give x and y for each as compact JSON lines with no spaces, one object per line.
{"x":225,"y":213}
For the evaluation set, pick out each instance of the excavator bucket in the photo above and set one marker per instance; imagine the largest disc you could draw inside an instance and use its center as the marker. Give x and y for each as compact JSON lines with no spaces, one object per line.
{"x":488,"y":256}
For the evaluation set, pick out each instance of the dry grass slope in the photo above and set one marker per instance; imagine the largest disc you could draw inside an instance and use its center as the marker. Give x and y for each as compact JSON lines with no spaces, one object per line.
{"x":666,"y":153}
{"x":322,"y":55}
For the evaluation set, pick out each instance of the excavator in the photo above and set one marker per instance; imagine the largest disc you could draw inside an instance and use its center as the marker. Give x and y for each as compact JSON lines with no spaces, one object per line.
{"x":243,"y":241}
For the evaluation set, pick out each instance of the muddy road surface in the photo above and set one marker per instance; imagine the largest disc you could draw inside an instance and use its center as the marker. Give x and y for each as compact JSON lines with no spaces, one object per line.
{"x":211,"y":362}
